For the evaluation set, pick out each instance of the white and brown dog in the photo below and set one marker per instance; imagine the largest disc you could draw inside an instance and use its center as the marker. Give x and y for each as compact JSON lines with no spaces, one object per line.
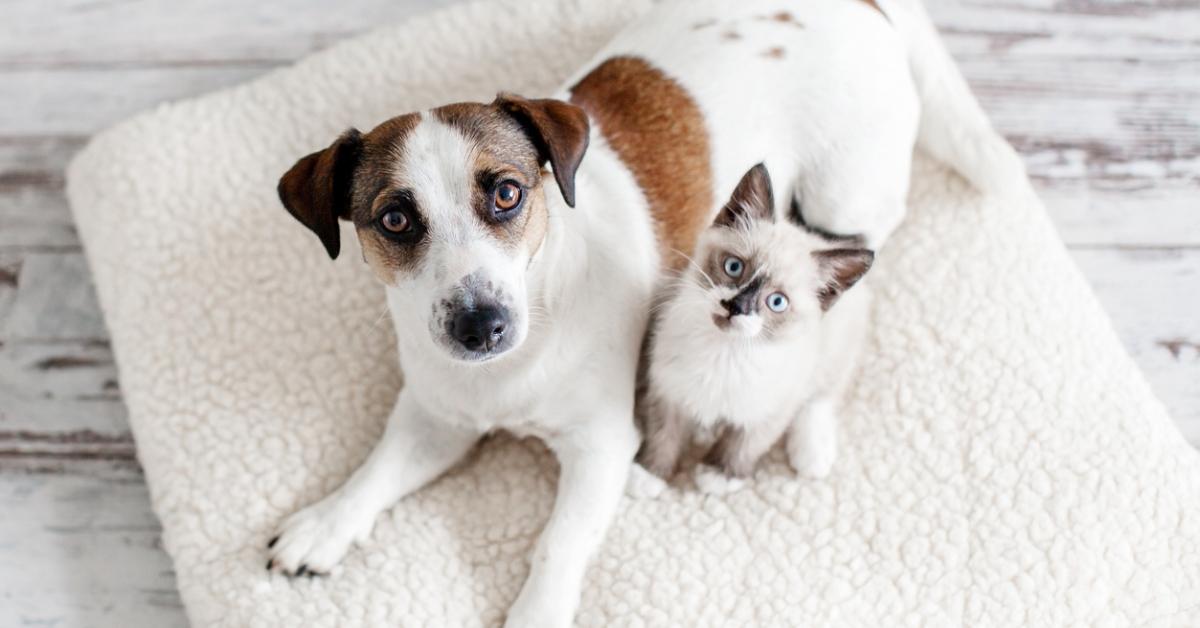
{"x":514,"y":311}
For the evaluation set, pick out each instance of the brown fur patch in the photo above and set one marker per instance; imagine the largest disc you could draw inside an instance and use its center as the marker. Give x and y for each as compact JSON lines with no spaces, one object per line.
{"x":501,"y":151}
{"x":659,"y":133}
{"x":775,"y":52}
{"x":786,"y":17}
{"x":375,"y":190}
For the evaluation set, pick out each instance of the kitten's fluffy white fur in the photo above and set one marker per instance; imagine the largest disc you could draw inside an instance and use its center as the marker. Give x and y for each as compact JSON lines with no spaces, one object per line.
{"x":759,"y":337}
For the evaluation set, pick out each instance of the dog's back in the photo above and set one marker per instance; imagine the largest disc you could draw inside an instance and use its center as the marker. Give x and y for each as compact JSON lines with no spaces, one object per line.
{"x":820,"y":91}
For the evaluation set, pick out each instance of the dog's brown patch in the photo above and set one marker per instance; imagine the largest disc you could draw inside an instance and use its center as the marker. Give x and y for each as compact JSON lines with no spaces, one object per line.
{"x":775,"y":52}
{"x":382,"y":147}
{"x":375,"y":190}
{"x":786,"y":17}
{"x":658,"y":131}
{"x":501,"y":151}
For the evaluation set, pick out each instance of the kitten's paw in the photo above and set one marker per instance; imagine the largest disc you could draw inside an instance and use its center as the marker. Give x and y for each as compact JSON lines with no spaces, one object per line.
{"x":644,"y":485}
{"x":713,"y":481}
{"x":313,"y":540}
{"x":812,"y":455}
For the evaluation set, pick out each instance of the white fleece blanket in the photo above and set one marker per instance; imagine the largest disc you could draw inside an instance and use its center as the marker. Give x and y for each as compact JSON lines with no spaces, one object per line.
{"x":1003,"y":462}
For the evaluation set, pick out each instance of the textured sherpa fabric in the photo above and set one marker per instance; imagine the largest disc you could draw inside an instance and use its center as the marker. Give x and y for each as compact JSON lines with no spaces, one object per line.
{"x":1003,"y":463}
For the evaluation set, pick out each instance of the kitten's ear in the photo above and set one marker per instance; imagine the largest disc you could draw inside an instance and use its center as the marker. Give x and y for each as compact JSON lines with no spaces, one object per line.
{"x":752,"y":199}
{"x":839,"y":269}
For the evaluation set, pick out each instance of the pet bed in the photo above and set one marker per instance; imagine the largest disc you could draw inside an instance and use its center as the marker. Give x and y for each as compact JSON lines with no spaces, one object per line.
{"x":1003,"y":462}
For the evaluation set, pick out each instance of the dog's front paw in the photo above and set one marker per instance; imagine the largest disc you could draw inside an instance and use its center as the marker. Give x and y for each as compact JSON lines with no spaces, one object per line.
{"x":313,"y":540}
{"x":643,"y":484}
{"x":713,"y":481}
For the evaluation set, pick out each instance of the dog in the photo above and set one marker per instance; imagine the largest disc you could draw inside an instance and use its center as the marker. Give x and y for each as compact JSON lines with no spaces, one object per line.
{"x":520,"y":242}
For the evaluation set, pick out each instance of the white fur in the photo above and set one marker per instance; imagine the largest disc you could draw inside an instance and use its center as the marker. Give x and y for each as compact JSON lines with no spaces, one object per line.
{"x":839,"y":110}
{"x":594,"y":271}
{"x":712,"y":481}
{"x":838,"y":113}
{"x":791,"y":381}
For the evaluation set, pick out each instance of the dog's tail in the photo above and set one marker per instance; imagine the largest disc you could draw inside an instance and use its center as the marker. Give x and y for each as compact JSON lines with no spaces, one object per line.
{"x":953,"y":128}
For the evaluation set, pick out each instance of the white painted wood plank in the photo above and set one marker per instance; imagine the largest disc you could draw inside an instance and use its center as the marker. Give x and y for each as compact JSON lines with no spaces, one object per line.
{"x":1151,"y":30}
{"x":82,"y":101}
{"x":1153,"y":297}
{"x":36,"y":217}
{"x":10,"y":267}
{"x":55,"y":300}
{"x":83,"y":550}
{"x":34,"y":214}
{"x":1091,"y":213}
{"x":60,"y":403}
{"x":62,"y":33}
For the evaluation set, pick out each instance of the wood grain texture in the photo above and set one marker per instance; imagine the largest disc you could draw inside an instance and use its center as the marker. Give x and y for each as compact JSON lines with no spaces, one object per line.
{"x":83,"y":549}
{"x":1102,"y":98}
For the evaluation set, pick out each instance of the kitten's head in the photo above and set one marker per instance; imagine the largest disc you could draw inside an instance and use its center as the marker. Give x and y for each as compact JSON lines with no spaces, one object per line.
{"x":756,"y":276}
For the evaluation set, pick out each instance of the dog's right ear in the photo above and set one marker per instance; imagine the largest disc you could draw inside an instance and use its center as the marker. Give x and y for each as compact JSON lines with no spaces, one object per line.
{"x":316,"y":191}
{"x":752,"y":199}
{"x":559,"y":131}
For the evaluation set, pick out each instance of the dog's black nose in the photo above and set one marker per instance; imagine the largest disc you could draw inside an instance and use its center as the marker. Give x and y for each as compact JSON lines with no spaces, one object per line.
{"x":480,"y":329}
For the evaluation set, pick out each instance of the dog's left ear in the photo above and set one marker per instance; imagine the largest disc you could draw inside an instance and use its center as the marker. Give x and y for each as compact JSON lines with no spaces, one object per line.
{"x":316,"y":191}
{"x":839,"y":269}
{"x":559,"y":131}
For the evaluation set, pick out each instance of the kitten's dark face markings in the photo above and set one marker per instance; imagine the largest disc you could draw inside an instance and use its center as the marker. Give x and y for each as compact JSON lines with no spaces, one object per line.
{"x":751,"y":264}
{"x":745,"y":302}
{"x":744,"y":286}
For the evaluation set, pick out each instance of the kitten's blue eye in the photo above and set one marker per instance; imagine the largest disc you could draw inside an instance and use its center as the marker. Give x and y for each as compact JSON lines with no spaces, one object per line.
{"x":734,"y":267}
{"x":777,"y":302}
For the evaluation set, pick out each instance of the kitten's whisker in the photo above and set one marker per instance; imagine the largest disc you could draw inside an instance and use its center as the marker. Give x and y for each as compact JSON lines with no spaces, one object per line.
{"x":691,"y":262}
{"x":382,"y":315}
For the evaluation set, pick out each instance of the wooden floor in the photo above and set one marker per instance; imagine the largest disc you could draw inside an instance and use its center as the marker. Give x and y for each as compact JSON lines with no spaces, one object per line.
{"x":1102,"y":97}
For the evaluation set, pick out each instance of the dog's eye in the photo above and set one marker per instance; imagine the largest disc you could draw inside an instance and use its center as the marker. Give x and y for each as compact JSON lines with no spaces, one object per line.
{"x":396,"y":221}
{"x":777,"y":301}
{"x":734,"y":267}
{"x":507,"y":197}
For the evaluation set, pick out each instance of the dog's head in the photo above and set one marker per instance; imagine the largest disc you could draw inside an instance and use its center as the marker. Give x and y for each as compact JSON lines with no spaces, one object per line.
{"x":450,"y":207}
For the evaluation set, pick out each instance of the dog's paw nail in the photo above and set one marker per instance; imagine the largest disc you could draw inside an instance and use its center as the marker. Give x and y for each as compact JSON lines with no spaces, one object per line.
{"x":273,"y":541}
{"x":270,"y":564}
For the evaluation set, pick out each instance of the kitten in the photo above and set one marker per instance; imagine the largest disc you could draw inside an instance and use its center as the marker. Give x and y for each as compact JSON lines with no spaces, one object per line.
{"x":750,"y":344}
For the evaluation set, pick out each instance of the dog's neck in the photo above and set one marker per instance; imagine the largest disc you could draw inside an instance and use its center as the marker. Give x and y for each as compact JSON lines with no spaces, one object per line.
{"x":609,"y":208}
